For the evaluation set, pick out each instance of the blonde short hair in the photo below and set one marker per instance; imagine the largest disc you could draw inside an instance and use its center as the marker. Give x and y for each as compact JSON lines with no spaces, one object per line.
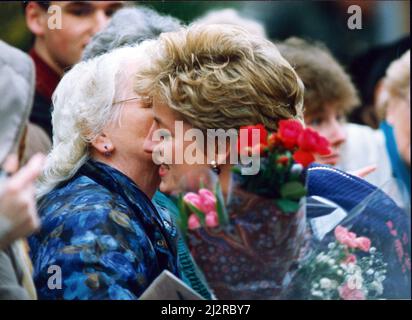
{"x":326,"y":82}
{"x":222,"y":77}
{"x":398,"y":76}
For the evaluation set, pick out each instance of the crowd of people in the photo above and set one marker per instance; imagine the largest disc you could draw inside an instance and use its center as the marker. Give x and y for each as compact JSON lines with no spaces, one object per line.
{"x":79,"y":186}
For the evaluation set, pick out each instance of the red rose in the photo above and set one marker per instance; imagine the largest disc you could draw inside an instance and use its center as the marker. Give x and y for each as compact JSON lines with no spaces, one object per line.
{"x":323,"y":146}
{"x":303,"y":157}
{"x":283,"y":160}
{"x":273,"y":140}
{"x":309,"y":140}
{"x":289,"y":132}
{"x":246,"y":146}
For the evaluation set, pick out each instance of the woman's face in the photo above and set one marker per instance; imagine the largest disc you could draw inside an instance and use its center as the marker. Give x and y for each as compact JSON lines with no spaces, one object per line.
{"x":399,"y":116}
{"x":127,"y":137}
{"x":171,"y":151}
{"x":329,"y":123}
{"x":129,"y":133}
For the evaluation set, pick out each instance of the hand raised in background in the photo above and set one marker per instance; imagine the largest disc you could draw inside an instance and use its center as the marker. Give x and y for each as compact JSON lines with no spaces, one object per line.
{"x":18,"y":214}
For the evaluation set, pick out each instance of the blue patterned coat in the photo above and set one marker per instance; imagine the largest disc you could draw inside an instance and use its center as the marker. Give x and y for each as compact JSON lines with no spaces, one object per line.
{"x":105,"y":236}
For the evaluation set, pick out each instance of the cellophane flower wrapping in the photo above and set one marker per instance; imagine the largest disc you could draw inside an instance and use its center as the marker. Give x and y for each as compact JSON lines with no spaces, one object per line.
{"x":362,"y":254}
{"x":253,"y":256}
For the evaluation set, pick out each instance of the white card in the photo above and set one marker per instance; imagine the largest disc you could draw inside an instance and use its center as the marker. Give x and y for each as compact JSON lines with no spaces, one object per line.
{"x":168,"y":287}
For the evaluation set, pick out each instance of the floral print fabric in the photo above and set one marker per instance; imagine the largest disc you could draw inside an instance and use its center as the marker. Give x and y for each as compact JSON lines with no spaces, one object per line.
{"x":104,"y":235}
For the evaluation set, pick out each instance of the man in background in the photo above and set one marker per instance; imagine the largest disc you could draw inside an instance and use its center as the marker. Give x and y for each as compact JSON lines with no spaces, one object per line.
{"x":55,"y":50}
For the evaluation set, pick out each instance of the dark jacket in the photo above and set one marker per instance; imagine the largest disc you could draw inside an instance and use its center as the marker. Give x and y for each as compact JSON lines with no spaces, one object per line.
{"x":46,"y":82}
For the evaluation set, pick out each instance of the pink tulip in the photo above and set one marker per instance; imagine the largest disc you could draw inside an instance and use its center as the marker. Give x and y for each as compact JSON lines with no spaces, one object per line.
{"x":212,"y":219}
{"x":205,"y":201}
{"x":194,"y":199}
{"x":208,"y":200}
{"x":193,"y":222}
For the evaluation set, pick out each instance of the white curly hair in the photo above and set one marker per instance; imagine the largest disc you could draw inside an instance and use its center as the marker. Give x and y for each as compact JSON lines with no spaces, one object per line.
{"x":83,"y":105}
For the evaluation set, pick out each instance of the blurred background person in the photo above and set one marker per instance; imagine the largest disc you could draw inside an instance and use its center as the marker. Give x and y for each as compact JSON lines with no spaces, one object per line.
{"x":233,"y":17}
{"x":54,"y":50}
{"x":395,"y":101}
{"x":381,"y":23}
{"x":329,"y":96}
{"x":130,"y":26}
{"x":18,"y":215}
{"x":367,"y":71}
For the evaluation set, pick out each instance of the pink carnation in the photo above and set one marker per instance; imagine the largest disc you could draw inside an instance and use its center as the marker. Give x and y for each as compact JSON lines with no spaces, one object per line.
{"x":212,"y":219}
{"x":345,"y":237}
{"x":350,"y":294}
{"x":363,"y":243}
{"x":349,"y":239}
{"x":351,"y":258}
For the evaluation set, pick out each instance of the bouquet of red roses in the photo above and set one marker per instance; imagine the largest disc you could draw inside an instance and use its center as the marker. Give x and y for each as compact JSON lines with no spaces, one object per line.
{"x":248,"y":246}
{"x":283,"y":155}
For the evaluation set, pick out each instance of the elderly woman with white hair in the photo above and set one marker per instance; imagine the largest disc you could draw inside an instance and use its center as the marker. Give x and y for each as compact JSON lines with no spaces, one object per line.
{"x":101,"y":236}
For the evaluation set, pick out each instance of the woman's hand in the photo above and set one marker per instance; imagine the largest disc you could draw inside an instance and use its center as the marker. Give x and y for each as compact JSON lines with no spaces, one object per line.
{"x":18,"y":214}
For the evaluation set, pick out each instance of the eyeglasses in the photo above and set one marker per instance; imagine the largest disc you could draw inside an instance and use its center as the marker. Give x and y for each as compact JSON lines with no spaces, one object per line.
{"x":145,"y":99}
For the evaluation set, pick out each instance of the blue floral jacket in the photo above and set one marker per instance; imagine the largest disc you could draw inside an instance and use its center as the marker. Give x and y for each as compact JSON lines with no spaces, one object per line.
{"x":101,"y":238}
